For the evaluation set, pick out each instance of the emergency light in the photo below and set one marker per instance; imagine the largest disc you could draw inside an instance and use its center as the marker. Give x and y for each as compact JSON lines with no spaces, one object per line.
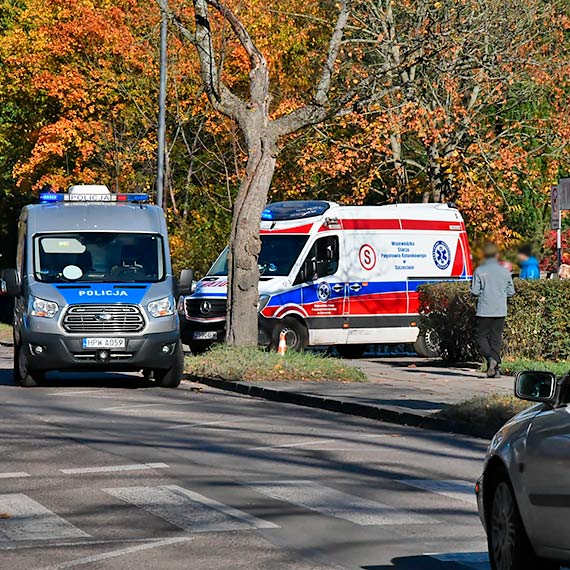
{"x":52,"y":197}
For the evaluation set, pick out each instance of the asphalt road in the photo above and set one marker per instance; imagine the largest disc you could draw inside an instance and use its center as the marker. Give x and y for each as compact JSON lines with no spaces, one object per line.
{"x":112,"y":474}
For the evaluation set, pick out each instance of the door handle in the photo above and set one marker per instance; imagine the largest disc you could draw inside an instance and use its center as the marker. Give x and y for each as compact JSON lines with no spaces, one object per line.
{"x":356,"y":287}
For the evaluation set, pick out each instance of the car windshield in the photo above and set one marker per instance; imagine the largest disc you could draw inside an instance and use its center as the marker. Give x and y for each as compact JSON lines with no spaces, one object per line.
{"x":277,"y":258}
{"x":104,"y":257}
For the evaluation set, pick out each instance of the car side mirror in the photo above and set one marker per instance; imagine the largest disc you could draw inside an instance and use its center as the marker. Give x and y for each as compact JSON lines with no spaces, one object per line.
{"x":11,"y":282}
{"x":186,"y":282}
{"x":536,"y":386}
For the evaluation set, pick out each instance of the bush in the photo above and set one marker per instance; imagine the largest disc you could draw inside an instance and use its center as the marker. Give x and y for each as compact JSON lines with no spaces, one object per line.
{"x":538,"y":325}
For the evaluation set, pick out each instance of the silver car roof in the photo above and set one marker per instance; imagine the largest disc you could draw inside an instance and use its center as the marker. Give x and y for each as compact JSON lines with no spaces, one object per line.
{"x":62,"y":217}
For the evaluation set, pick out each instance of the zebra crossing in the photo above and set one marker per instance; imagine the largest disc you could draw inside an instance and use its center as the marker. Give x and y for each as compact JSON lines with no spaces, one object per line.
{"x":25,"y":519}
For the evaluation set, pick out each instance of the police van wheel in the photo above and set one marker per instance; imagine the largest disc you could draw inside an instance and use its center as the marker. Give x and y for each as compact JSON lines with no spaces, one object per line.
{"x":296,"y":334}
{"x":171,"y":377}
{"x":22,"y":374}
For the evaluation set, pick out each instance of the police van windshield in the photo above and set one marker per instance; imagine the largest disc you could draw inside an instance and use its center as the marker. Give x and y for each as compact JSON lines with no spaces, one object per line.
{"x":277,"y":258}
{"x":102,"y":257}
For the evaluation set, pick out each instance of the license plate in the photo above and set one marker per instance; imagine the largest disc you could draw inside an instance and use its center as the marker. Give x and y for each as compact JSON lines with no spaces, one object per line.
{"x":205,"y":335}
{"x":104,"y":343}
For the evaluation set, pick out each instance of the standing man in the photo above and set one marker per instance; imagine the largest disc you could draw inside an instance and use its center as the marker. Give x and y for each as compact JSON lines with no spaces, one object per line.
{"x":493,"y":285}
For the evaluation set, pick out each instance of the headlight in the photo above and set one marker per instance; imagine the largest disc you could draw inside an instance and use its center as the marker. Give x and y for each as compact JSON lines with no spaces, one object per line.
{"x":263,"y":300}
{"x":43,"y":308}
{"x":181,"y":304}
{"x":162,"y":307}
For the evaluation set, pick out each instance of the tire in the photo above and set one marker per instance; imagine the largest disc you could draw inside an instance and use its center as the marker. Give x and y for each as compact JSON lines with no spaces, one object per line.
{"x":22,"y":374}
{"x":199,"y":347}
{"x":351,"y":351}
{"x":508,"y":542}
{"x":427,"y":344}
{"x":171,"y":377}
{"x":296,"y":334}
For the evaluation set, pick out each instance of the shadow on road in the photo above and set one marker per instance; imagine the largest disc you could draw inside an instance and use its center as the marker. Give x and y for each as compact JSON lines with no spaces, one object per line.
{"x":423,"y":563}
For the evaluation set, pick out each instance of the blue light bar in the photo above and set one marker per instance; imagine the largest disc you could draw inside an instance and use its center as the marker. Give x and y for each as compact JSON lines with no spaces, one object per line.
{"x":48,"y":197}
{"x":267,"y":215}
{"x":52,"y":197}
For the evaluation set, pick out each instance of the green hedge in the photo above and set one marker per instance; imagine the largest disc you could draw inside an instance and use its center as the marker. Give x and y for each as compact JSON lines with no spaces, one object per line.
{"x":538,"y":325}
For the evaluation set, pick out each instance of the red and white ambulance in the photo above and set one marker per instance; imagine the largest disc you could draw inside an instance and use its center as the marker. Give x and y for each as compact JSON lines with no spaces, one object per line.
{"x":343,"y":276}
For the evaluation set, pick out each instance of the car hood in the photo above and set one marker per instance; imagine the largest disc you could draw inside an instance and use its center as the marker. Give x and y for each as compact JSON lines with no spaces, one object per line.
{"x":212,"y":286}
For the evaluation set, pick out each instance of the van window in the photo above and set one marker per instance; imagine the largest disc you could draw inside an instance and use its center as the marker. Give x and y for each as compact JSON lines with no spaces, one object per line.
{"x":322,"y":260}
{"x":103,"y":257}
{"x":278,"y":255}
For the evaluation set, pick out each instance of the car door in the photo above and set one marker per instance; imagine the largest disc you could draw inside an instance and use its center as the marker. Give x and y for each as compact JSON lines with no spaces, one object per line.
{"x":546,"y":476}
{"x":324,"y":291}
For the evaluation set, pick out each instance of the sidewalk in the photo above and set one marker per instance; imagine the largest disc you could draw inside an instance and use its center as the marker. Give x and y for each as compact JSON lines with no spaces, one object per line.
{"x":403,"y":390}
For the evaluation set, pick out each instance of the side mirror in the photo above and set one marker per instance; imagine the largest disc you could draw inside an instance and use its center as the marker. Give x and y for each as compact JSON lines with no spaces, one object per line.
{"x":186,"y":282}
{"x":11,"y":282}
{"x":536,"y":386}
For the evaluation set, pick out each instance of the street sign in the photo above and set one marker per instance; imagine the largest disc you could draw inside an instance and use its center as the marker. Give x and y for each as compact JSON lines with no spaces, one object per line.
{"x":564,"y":193}
{"x":555,"y":208}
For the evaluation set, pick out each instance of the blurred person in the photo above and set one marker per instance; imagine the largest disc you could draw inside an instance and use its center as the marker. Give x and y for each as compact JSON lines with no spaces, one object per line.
{"x":530,"y":269}
{"x":492,"y":285}
{"x":564,"y":271}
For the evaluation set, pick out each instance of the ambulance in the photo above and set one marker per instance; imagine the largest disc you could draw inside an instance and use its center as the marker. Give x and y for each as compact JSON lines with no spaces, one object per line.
{"x":342,"y":276}
{"x":93,"y":288}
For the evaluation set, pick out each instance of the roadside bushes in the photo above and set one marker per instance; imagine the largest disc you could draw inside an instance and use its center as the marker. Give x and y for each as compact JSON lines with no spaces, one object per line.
{"x":538,"y":325}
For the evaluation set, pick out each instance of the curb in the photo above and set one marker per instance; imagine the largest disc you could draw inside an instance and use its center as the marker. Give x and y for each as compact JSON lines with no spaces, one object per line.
{"x":349,"y":408}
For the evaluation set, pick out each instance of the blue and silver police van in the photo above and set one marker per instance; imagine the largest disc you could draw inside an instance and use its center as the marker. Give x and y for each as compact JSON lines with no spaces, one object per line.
{"x":93,"y":288}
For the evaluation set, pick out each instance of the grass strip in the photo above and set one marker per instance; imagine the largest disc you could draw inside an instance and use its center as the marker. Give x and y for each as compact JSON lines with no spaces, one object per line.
{"x":251,"y":364}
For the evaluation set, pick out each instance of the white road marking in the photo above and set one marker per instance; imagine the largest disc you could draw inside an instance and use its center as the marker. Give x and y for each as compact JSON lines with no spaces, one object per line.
{"x":113,"y":468}
{"x":474,"y":560}
{"x":26,"y":519}
{"x":454,"y":489}
{"x":330,"y":502}
{"x":116,"y":553}
{"x":15,"y":475}
{"x":188,"y":510}
{"x":294,"y":444}
{"x":212,"y":423}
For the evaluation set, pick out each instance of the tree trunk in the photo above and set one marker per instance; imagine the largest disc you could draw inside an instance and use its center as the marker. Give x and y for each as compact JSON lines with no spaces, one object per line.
{"x":245,"y":243}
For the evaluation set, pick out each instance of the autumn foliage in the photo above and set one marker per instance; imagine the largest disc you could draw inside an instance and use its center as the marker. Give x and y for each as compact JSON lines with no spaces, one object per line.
{"x":455,"y":100}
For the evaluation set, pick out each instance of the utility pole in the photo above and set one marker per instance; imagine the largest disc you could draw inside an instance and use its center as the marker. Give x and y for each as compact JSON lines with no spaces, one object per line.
{"x":160,"y":177}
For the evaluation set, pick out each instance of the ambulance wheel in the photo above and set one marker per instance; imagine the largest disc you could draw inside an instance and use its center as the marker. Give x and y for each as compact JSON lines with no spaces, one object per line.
{"x":171,"y":377}
{"x":351,"y":351}
{"x":22,"y":373}
{"x":427,"y":345}
{"x":296,"y":334}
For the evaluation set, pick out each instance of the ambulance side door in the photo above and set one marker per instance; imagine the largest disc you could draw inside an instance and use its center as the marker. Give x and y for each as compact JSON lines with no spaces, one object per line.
{"x":324,"y":291}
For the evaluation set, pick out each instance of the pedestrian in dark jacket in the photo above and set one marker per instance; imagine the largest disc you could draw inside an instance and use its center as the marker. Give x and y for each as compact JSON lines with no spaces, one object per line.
{"x":530,"y":268}
{"x":493,"y":285}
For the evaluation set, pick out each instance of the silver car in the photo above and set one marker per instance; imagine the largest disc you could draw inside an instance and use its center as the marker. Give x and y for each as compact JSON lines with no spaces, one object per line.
{"x":524,"y":492}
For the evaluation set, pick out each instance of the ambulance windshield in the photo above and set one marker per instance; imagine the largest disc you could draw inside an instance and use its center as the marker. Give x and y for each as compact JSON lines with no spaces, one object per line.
{"x":102,"y":257}
{"x":277,"y":258}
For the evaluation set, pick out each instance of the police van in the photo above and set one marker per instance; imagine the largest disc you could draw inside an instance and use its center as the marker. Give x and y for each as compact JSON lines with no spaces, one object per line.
{"x":343,"y":276}
{"x":93,"y":288}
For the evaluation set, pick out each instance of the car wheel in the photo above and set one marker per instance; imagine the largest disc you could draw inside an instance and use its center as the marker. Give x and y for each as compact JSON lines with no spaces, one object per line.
{"x":509,"y":545}
{"x":22,"y":373}
{"x":427,"y":345}
{"x":171,"y":377}
{"x":351,"y":351}
{"x":199,"y":347}
{"x":296,"y":334}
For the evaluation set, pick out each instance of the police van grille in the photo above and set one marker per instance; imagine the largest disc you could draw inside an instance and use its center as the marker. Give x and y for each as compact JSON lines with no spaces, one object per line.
{"x":215,"y":308}
{"x":103,"y":319}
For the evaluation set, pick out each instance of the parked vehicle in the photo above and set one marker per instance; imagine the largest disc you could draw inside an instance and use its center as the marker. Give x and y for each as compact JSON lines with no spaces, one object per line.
{"x":343,"y":276}
{"x":93,"y":288}
{"x":524,"y":492}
